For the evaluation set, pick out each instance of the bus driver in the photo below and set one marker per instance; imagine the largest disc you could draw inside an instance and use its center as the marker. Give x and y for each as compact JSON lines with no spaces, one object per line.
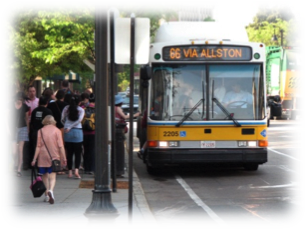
{"x":237,"y":95}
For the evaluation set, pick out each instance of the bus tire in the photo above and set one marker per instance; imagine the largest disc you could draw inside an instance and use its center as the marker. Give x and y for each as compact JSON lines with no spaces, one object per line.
{"x":251,"y":167}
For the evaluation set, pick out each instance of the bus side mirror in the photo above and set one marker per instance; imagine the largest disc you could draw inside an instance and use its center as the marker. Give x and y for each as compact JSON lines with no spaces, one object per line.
{"x":145,"y":72}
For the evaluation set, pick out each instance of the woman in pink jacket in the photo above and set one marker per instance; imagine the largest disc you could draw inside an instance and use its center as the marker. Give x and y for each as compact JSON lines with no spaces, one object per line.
{"x":49,"y":138}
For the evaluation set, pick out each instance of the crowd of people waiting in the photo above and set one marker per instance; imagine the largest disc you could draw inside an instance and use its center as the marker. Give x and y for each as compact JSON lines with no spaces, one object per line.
{"x":52,"y":122}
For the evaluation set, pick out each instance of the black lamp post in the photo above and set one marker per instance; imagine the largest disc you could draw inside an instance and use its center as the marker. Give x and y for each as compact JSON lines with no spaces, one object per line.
{"x":101,"y":207}
{"x":282,"y":34}
{"x":274,"y":38}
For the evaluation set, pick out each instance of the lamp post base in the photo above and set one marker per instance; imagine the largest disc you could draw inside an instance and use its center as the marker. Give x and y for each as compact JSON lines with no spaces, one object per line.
{"x":101,"y":206}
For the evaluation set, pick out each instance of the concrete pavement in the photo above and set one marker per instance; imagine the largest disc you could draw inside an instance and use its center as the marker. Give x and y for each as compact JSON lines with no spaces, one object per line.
{"x":72,"y":198}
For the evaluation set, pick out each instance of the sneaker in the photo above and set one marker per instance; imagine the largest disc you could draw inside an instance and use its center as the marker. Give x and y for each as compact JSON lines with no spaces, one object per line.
{"x":47,"y":198}
{"x":51,"y":196}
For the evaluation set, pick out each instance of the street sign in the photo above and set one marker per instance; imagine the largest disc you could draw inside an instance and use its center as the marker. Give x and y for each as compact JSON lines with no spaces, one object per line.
{"x":123,"y":37}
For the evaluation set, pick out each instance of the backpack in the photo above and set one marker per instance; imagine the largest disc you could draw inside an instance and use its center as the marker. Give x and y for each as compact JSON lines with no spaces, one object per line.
{"x":88,"y":122}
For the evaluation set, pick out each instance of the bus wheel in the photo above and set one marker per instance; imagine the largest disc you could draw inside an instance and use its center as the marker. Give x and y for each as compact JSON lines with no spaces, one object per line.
{"x":251,"y":167}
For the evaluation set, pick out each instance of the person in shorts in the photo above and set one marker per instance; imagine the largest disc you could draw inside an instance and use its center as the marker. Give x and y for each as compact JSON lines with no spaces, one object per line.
{"x":21,"y":111}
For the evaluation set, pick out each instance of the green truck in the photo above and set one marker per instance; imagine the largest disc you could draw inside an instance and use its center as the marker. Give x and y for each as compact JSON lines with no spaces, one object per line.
{"x":282,"y":75}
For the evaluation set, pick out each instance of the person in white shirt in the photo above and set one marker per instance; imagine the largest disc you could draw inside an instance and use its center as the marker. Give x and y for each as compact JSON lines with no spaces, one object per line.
{"x":72,"y":116}
{"x":237,"y":95}
{"x":32,"y":102}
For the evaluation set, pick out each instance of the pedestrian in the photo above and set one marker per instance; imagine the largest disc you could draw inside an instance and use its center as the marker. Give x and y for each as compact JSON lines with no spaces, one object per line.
{"x":65,"y":87}
{"x":32,"y":102}
{"x":89,"y":142}
{"x":57,"y":107}
{"x":49,"y":93}
{"x":49,"y":140}
{"x":85,"y":99}
{"x":21,"y":111}
{"x":38,"y":114}
{"x":67,"y":98}
{"x":72,"y":116}
{"x":119,"y":114}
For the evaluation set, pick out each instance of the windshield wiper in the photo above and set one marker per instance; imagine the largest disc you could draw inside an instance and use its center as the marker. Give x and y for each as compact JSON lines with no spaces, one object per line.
{"x":225,"y":111}
{"x":190,"y":112}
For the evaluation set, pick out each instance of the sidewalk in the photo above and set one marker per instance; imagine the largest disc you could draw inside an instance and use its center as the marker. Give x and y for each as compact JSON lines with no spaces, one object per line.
{"x":73,"y":197}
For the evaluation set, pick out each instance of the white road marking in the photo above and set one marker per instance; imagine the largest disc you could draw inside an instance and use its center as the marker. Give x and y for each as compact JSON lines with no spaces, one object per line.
{"x":198,"y":200}
{"x":274,"y":151}
{"x":276,"y":186}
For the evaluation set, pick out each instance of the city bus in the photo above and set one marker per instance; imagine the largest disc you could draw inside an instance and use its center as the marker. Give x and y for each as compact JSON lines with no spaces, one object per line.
{"x":204,"y":95}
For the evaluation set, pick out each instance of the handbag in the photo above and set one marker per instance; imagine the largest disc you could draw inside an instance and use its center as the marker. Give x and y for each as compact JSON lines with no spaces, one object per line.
{"x":56,"y":164}
{"x":37,"y":185}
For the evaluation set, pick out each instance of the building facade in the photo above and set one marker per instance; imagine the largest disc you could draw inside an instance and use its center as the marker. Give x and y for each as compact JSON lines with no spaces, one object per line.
{"x":196,"y":12}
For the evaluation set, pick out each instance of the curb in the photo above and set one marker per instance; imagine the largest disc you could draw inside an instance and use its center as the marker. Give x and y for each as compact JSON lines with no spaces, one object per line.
{"x":141,"y":200}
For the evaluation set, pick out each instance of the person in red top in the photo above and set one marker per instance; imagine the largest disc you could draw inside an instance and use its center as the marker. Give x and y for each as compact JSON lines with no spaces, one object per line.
{"x":119,"y":114}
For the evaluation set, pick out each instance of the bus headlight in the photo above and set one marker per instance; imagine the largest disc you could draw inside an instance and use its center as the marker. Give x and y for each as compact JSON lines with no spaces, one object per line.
{"x":163,"y":144}
{"x":252,"y":143}
{"x":168,"y":144}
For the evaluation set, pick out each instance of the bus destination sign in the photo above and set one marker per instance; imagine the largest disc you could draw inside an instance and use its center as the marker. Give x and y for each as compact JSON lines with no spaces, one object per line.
{"x":207,"y":53}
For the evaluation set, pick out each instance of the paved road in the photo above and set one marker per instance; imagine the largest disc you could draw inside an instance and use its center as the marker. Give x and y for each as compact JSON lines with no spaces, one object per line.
{"x":219,"y":195}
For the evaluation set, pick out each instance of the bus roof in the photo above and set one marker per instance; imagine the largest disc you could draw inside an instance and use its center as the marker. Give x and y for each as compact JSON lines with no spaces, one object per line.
{"x":186,"y":31}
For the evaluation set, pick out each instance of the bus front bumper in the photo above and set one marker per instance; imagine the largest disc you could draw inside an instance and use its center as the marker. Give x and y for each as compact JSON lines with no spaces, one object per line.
{"x":161,"y":157}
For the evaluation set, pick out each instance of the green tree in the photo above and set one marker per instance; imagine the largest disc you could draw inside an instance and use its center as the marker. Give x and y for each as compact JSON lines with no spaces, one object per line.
{"x":270,"y":22}
{"x":27,"y":36}
{"x":47,"y":43}
{"x":274,"y":13}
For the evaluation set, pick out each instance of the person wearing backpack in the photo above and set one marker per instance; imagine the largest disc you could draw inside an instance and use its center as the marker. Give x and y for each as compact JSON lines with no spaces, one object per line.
{"x":88,"y":126}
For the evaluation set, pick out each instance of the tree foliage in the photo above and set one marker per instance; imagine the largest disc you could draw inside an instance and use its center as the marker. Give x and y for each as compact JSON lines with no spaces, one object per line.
{"x":52,"y":38}
{"x":276,"y":21}
{"x":26,"y":37}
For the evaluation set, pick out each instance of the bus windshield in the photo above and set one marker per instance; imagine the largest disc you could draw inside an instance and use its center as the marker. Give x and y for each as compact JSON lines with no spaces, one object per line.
{"x":207,"y":92}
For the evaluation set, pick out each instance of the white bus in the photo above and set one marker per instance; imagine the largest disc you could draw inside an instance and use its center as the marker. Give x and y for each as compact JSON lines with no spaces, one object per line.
{"x":205,"y":99}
